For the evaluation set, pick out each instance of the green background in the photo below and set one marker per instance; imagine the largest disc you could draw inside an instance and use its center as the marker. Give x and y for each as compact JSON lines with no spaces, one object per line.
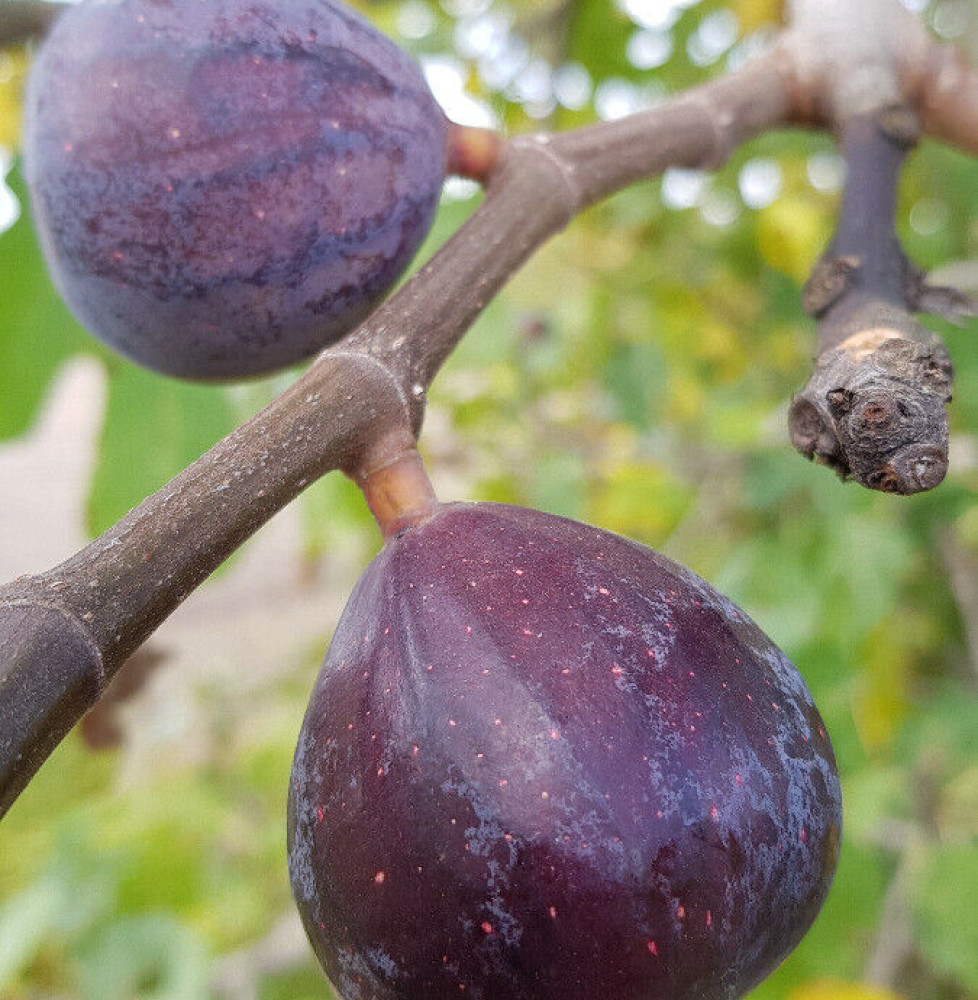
{"x":635,"y":375}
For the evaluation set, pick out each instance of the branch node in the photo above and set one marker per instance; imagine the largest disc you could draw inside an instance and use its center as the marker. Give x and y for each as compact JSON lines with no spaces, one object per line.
{"x":901,"y":124}
{"x":541,"y":144}
{"x":79,"y":623}
{"x":831,"y":279}
{"x":412,"y":406}
{"x":721,"y":122}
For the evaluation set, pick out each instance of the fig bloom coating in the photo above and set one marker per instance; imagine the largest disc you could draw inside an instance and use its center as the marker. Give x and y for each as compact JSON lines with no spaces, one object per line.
{"x":542,"y":762}
{"x":223,"y":188}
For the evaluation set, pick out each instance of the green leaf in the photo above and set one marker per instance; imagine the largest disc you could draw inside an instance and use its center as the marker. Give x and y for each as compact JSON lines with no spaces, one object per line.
{"x":559,"y":485}
{"x":25,"y":919}
{"x":837,"y":942}
{"x":833,"y":989}
{"x":303,"y":984}
{"x":943,"y":896}
{"x":145,"y":958}
{"x":37,"y":333}
{"x":599,"y":33}
{"x":335,"y":517}
{"x":869,"y":794}
{"x":154,"y":427}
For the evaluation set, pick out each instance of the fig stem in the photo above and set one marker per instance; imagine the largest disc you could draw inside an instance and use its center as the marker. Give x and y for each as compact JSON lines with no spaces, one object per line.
{"x":473,"y":153}
{"x":399,"y":493}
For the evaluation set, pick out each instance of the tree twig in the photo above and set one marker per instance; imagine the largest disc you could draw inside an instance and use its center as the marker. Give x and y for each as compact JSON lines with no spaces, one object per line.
{"x":22,"y":20}
{"x":895,"y":942}
{"x":63,"y":634}
{"x":874,"y":409}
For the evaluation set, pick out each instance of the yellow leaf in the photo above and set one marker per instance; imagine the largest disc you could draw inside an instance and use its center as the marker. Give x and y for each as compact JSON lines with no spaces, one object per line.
{"x":829,"y":989}
{"x":792,"y":233}
{"x":881,"y":695}
{"x":13,"y":69}
{"x":684,"y":397}
{"x":967,"y":529}
{"x":787,"y":348}
{"x":642,"y":500}
{"x":752,"y":14}
{"x":957,"y":814}
{"x":720,"y":346}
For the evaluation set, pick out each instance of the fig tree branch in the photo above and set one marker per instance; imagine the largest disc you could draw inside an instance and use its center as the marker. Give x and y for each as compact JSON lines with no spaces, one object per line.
{"x":22,"y":20}
{"x":943,"y":86}
{"x":358,"y":408}
{"x":64,"y":633}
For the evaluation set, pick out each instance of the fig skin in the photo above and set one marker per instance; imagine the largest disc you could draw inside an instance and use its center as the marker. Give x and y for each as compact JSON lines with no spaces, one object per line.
{"x":542,"y":762}
{"x":223,"y":188}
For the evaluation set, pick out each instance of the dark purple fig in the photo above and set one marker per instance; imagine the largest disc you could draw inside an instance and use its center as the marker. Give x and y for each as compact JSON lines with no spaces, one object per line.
{"x":222,"y":188}
{"x":542,"y":762}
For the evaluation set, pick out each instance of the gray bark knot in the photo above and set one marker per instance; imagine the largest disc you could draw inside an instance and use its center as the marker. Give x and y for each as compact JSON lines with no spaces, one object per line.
{"x":874,"y":410}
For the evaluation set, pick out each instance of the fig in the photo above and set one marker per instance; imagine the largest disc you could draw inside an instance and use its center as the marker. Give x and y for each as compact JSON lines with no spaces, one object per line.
{"x":542,"y":762}
{"x":222,"y":189}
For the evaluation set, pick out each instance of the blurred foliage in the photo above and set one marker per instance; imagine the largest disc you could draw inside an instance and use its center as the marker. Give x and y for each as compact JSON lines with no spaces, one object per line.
{"x":636,"y":375}
{"x":13,"y":70}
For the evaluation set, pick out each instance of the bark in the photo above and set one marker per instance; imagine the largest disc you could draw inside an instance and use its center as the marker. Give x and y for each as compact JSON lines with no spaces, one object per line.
{"x":874,"y":409}
{"x":358,"y":409}
{"x":849,"y":53}
{"x":23,"y":20}
{"x":879,"y":376}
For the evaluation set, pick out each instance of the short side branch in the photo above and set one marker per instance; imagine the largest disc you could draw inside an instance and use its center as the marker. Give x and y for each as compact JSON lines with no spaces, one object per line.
{"x":874,"y":409}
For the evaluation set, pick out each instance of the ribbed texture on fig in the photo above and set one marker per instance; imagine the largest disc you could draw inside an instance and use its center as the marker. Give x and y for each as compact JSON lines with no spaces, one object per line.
{"x":542,"y":762}
{"x":224,"y":187}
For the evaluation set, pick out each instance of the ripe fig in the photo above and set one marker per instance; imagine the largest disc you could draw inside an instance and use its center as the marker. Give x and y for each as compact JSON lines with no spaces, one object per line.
{"x":542,"y":762}
{"x":224,"y":188}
